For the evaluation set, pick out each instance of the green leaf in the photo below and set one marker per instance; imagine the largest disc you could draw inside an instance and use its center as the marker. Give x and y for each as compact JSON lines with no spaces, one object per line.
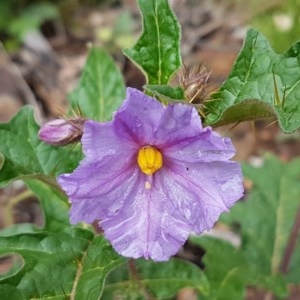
{"x":100,"y":259}
{"x":261,"y":84}
{"x":26,"y":155}
{"x":266,"y":219}
{"x":59,"y":261}
{"x":224,"y":267}
{"x":54,"y":204}
{"x":160,"y":280}
{"x":18,"y":229}
{"x":157,"y":52}
{"x":71,"y":264}
{"x":268,"y":215}
{"x":101,"y":88}
{"x":1,"y":160}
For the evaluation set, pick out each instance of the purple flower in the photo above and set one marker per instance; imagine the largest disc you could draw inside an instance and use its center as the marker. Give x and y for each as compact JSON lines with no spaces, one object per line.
{"x":151,"y":176}
{"x":61,"y":132}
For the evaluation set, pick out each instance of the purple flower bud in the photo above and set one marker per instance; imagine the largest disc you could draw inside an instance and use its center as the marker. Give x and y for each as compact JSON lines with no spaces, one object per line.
{"x":61,"y":132}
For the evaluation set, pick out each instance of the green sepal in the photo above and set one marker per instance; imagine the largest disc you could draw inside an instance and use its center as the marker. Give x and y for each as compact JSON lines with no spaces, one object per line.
{"x":165,"y":92}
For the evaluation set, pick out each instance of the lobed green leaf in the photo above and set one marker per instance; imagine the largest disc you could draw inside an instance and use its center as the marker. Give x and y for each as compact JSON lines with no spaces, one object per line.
{"x":99,"y":260}
{"x":54,"y":204}
{"x":265,"y":219}
{"x":26,"y":155}
{"x":224,"y":267}
{"x":55,"y":209}
{"x":101,"y":88}
{"x":268,"y":215}
{"x":261,"y":84}
{"x":157,"y":52}
{"x":71,"y":264}
{"x":58,"y":261}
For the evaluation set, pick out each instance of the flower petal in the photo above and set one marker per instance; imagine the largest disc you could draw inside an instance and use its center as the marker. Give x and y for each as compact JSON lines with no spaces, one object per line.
{"x":100,"y":140}
{"x":145,"y":227}
{"x":138,"y":117}
{"x":202,"y":191}
{"x":96,"y":189}
{"x":102,"y":193}
{"x":107,"y":172}
{"x":181,"y":136}
{"x":206,"y":146}
{"x":178,"y":121}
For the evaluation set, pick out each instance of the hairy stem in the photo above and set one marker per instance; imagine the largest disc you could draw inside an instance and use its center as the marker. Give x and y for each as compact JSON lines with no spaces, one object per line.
{"x":133,"y":272}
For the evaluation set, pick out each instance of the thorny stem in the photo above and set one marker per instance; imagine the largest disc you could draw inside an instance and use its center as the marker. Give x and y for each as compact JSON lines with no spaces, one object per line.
{"x":291,"y":244}
{"x":135,"y":278}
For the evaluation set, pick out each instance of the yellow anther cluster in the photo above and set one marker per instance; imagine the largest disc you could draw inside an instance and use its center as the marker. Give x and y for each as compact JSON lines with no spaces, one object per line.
{"x":149,"y":160}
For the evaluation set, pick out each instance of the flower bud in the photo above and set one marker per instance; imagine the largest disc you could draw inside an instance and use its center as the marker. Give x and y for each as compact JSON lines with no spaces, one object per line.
{"x":61,"y":132}
{"x":194,"y":83}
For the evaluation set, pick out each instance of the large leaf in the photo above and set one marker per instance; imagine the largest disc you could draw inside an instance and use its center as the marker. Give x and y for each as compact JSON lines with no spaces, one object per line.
{"x":54,"y":205}
{"x":262,"y":83}
{"x":71,"y":264}
{"x":265,"y":219}
{"x":268,"y":216}
{"x":26,"y":155}
{"x":157,"y":50}
{"x":55,"y":209}
{"x":160,"y":280}
{"x":59,"y":261}
{"x":101,"y":87}
{"x":225,"y":268}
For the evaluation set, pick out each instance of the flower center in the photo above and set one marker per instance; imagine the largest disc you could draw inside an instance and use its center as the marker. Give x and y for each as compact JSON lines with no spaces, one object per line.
{"x":149,"y":160}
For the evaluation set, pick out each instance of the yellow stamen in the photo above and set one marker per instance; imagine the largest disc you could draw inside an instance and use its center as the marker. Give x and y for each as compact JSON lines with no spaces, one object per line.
{"x":149,"y":160}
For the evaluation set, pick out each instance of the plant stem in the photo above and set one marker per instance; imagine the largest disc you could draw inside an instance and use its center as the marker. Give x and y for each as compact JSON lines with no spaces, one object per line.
{"x":290,"y":247}
{"x":133,"y":273}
